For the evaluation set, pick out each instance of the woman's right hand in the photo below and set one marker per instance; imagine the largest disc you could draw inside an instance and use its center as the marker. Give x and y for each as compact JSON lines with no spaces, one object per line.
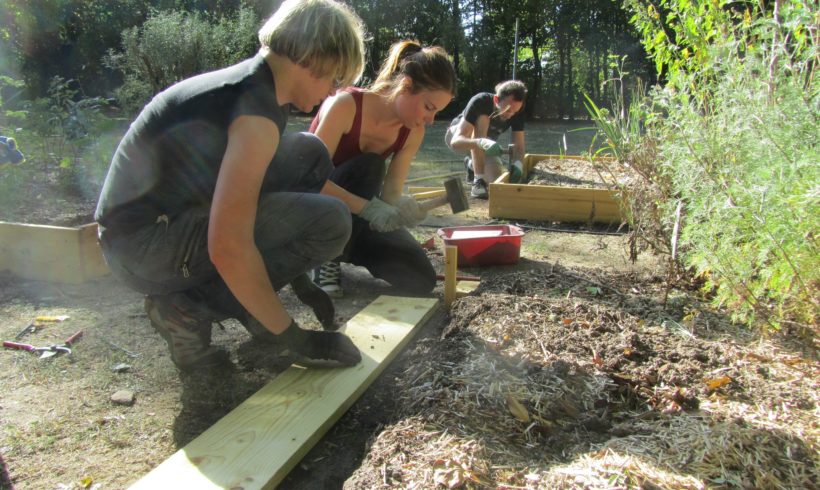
{"x":382,"y":216}
{"x":410,"y":211}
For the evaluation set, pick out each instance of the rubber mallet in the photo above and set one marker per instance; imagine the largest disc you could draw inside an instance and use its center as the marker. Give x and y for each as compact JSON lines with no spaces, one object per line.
{"x":454,"y":196}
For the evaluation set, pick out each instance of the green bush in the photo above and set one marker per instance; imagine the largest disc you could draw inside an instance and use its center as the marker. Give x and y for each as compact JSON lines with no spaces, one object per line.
{"x":172,"y":45}
{"x":734,"y":138}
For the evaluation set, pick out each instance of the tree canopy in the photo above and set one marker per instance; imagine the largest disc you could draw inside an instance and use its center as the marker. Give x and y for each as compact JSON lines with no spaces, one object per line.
{"x":565,"y":47}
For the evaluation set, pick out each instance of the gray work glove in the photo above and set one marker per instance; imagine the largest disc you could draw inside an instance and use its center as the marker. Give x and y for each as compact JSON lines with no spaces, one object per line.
{"x":382,"y":216}
{"x":410,"y":211}
{"x":490,"y":147}
{"x":319,"y":348}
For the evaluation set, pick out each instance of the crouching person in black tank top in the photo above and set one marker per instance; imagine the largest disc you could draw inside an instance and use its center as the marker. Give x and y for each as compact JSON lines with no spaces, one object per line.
{"x":209,"y":208}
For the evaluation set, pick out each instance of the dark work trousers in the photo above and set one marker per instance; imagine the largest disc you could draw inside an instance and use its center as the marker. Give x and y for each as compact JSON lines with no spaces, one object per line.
{"x":296,"y":230}
{"x":394,"y":256}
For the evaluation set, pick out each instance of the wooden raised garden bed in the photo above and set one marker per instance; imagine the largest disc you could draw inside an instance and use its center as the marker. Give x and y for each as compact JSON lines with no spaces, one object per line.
{"x":560,"y":202}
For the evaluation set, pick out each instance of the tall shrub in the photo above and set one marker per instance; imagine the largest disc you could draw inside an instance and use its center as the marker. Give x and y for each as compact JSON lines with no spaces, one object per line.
{"x":735,"y":131}
{"x":172,"y":45}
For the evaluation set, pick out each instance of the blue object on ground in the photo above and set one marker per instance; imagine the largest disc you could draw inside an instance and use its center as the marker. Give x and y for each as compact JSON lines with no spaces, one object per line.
{"x":9,"y":152}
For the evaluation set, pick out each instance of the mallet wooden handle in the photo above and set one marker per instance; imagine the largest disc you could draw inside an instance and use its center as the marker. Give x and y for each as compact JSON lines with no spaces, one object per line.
{"x":433,"y":203}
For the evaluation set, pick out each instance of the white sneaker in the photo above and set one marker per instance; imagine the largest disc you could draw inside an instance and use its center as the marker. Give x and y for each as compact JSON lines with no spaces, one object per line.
{"x":329,"y":277}
{"x":479,"y":190}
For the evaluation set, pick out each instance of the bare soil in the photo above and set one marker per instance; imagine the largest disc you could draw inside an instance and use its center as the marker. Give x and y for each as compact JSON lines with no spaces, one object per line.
{"x":578,"y":172}
{"x":572,"y":369}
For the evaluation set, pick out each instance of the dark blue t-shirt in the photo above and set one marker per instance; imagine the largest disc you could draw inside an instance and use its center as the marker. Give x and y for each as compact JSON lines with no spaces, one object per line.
{"x":169,"y":159}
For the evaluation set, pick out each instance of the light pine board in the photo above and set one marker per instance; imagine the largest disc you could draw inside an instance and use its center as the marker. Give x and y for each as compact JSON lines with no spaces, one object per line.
{"x":51,"y":253}
{"x":261,"y":440}
{"x":552,"y":203}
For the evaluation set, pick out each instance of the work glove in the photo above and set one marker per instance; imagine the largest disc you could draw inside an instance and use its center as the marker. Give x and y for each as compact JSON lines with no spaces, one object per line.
{"x":490,"y":147}
{"x":382,"y":216}
{"x":516,"y":172}
{"x":319,"y":348}
{"x":410,"y":211}
{"x":315,"y":297}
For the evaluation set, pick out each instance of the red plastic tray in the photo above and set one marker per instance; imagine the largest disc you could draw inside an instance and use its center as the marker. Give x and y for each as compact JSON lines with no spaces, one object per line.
{"x":484,"y":245}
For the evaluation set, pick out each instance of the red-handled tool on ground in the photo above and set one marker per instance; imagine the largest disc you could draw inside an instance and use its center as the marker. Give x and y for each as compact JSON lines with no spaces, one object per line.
{"x":52,"y":350}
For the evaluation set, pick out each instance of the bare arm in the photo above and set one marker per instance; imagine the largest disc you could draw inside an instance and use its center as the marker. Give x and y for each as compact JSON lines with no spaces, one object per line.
{"x":400,"y":167}
{"x":337,"y":115}
{"x":482,"y":124}
{"x":467,"y":134}
{"x":252,"y":142}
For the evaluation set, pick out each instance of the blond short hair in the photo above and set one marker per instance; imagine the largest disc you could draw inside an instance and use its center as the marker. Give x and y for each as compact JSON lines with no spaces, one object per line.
{"x":324,"y":36}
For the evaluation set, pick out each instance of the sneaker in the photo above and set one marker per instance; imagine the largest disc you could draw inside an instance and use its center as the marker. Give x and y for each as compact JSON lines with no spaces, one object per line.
{"x":329,"y":277}
{"x":186,"y":327}
{"x":468,"y":165}
{"x":479,"y":190}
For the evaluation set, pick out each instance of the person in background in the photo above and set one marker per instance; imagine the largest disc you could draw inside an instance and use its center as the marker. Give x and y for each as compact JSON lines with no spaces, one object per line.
{"x":475,"y":133}
{"x":373,"y":134}
{"x":209,"y":207}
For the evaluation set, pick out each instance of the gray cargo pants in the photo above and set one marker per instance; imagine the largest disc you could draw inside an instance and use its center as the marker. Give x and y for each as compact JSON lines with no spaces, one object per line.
{"x":296,"y":230}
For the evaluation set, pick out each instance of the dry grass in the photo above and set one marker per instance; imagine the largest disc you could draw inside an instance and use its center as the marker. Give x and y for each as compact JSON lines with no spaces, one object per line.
{"x":504,"y":409}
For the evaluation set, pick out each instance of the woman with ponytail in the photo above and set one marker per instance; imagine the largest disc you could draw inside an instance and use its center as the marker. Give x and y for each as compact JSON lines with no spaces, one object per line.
{"x":373,"y":134}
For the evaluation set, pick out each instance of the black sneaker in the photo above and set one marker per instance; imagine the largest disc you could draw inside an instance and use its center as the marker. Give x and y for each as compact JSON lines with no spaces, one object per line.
{"x":329,"y":277}
{"x":186,"y":327}
{"x":468,"y":165}
{"x":479,"y":190}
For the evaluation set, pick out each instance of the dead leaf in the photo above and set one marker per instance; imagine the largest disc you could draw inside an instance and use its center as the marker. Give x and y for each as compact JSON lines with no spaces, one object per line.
{"x":566,"y":321}
{"x":517,"y":409}
{"x":715,"y":383}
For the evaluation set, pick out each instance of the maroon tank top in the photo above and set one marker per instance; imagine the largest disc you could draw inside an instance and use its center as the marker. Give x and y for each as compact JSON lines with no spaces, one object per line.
{"x":348,"y":146}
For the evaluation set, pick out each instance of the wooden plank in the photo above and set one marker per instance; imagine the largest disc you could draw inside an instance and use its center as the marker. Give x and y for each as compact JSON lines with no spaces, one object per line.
{"x":530,"y":159}
{"x":261,"y":440}
{"x":51,"y":253}
{"x":433,"y":177}
{"x":553,"y":203}
{"x":45,"y":253}
{"x":450,"y":271}
{"x":417,"y":188}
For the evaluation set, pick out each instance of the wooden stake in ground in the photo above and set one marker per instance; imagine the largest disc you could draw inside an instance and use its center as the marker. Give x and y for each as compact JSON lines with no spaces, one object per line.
{"x":261,"y":440}
{"x":450,"y":270}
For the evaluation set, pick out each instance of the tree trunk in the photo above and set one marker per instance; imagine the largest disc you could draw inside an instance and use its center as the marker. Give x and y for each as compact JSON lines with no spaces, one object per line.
{"x":536,"y":85}
{"x":570,"y":88}
{"x":456,"y":38}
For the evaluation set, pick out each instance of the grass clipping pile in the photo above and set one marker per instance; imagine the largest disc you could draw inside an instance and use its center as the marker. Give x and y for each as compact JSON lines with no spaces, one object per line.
{"x":549,"y":379}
